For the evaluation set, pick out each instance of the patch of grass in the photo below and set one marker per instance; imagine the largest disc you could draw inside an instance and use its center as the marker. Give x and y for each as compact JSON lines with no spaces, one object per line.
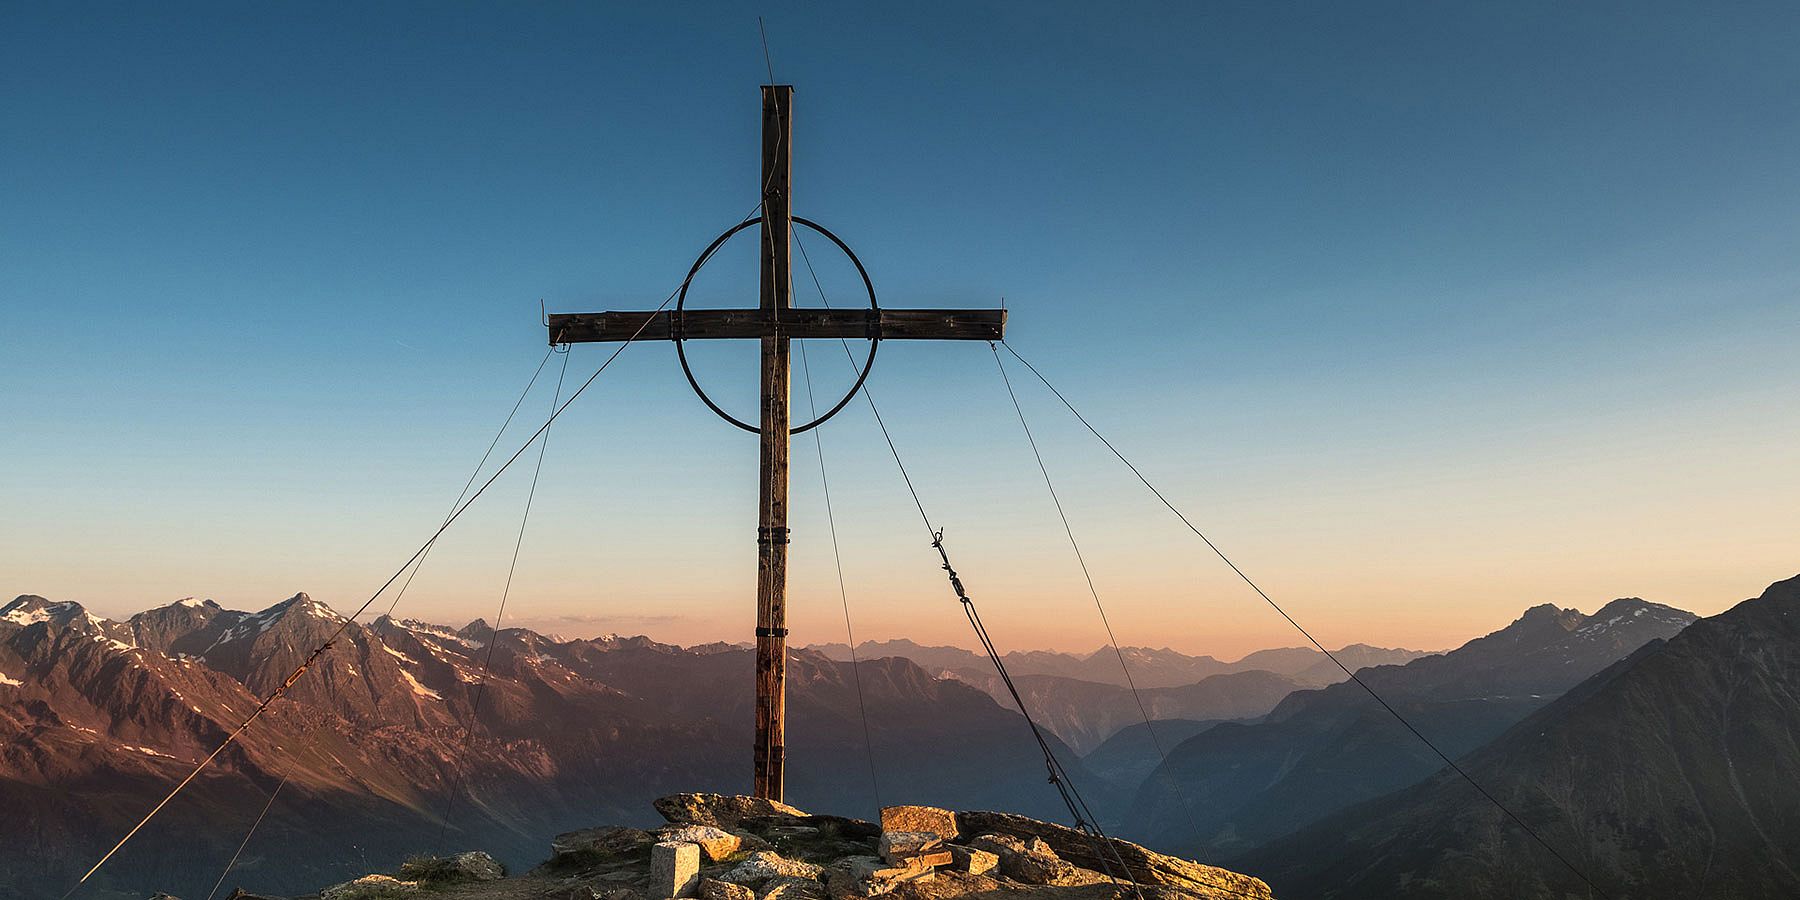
{"x":576,"y":860}
{"x":435,"y":871}
{"x":588,"y":858}
{"x":430,"y":869}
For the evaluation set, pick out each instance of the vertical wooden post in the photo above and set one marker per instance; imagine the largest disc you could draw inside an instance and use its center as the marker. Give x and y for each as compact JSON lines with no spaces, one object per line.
{"x":772,"y":532}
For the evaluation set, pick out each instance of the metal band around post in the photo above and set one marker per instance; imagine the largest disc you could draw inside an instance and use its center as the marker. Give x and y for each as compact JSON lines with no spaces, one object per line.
{"x":675,"y":327}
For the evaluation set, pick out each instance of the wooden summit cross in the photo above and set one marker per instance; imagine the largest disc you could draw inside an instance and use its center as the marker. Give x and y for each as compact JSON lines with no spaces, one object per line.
{"x":775,"y":322}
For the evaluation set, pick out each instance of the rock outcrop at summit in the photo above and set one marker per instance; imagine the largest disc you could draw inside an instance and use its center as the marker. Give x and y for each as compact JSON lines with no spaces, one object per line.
{"x":781,"y":853}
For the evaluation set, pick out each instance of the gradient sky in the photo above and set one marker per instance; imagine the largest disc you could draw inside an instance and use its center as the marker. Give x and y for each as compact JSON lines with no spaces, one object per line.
{"x":1426,"y":312}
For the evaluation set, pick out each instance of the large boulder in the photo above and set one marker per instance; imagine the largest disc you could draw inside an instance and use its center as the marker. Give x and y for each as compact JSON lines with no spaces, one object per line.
{"x":900,"y":846}
{"x":790,"y":888}
{"x":763,"y":865}
{"x":931,"y":819}
{"x":870,"y":876}
{"x":714,"y":889}
{"x":720,"y":810}
{"x":716,"y":843}
{"x":1030,"y":861}
{"x":1095,"y":854}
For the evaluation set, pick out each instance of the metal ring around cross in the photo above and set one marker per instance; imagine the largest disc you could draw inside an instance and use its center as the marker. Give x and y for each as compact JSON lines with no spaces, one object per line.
{"x":681,"y":301}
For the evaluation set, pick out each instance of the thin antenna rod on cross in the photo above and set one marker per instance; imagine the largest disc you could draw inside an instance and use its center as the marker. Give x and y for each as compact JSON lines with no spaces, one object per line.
{"x":767,"y":60}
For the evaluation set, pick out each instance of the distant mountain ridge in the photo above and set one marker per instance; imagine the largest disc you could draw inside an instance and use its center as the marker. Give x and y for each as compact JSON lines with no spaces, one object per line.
{"x":1150,"y":668}
{"x":1236,"y":786}
{"x":1671,"y":774}
{"x":1085,"y":713}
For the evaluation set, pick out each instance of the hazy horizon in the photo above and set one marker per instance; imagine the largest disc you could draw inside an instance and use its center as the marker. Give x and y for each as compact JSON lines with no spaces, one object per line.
{"x":584,"y":628}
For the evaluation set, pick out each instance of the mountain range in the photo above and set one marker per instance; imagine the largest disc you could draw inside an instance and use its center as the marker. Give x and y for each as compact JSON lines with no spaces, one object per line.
{"x":1657,"y":753}
{"x":1150,"y":668}
{"x":1674,"y":773}
{"x":99,"y":718}
{"x":1235,"y":786}
{"x":1086,"y":698}
{"x":1085,"y":714}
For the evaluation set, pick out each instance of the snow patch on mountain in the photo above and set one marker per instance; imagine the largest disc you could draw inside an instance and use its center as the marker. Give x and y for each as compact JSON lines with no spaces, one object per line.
{"x":426,"y":629}
{"x":23,"y":617}
{"x":418,"y":688}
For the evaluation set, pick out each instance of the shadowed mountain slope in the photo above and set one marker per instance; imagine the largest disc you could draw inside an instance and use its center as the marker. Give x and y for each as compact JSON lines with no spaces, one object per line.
{"x":1131,"y":754}
{"x":1669,"y":775}
{"x":1085,"y":714}
{"x":1241,"y":785}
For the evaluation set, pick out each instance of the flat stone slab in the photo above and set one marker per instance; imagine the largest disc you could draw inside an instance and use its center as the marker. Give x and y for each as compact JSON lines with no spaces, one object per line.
{"x":898,"y":845}
{"x":930,"y":819}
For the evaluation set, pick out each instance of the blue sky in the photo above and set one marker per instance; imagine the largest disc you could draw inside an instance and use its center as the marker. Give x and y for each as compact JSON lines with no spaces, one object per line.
{"x":1428,"y":312}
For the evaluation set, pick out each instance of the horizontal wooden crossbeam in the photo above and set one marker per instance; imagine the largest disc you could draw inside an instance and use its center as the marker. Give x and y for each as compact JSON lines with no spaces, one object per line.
{"x":706,"y":324}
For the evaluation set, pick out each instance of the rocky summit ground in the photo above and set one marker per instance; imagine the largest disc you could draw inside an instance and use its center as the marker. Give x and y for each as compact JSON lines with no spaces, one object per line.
{"x":719,"y":847}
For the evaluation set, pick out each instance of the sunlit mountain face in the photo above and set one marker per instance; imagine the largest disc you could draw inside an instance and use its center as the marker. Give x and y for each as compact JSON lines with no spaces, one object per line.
{"x":532,"y":734}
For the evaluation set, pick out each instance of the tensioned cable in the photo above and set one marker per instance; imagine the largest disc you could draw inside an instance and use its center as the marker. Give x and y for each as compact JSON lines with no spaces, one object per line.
{"x":232,"y":863}
{"x":1085,"y":821}
{"x":1308,"y":635}
{"x":843,"y":592}
{"x":418,"y":554}
{"x":767,"y":60}
{"x":868,"y":395}
{"x":512,"y":568}
{"x":1081,"y":559}
{"x":476,"y":473}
